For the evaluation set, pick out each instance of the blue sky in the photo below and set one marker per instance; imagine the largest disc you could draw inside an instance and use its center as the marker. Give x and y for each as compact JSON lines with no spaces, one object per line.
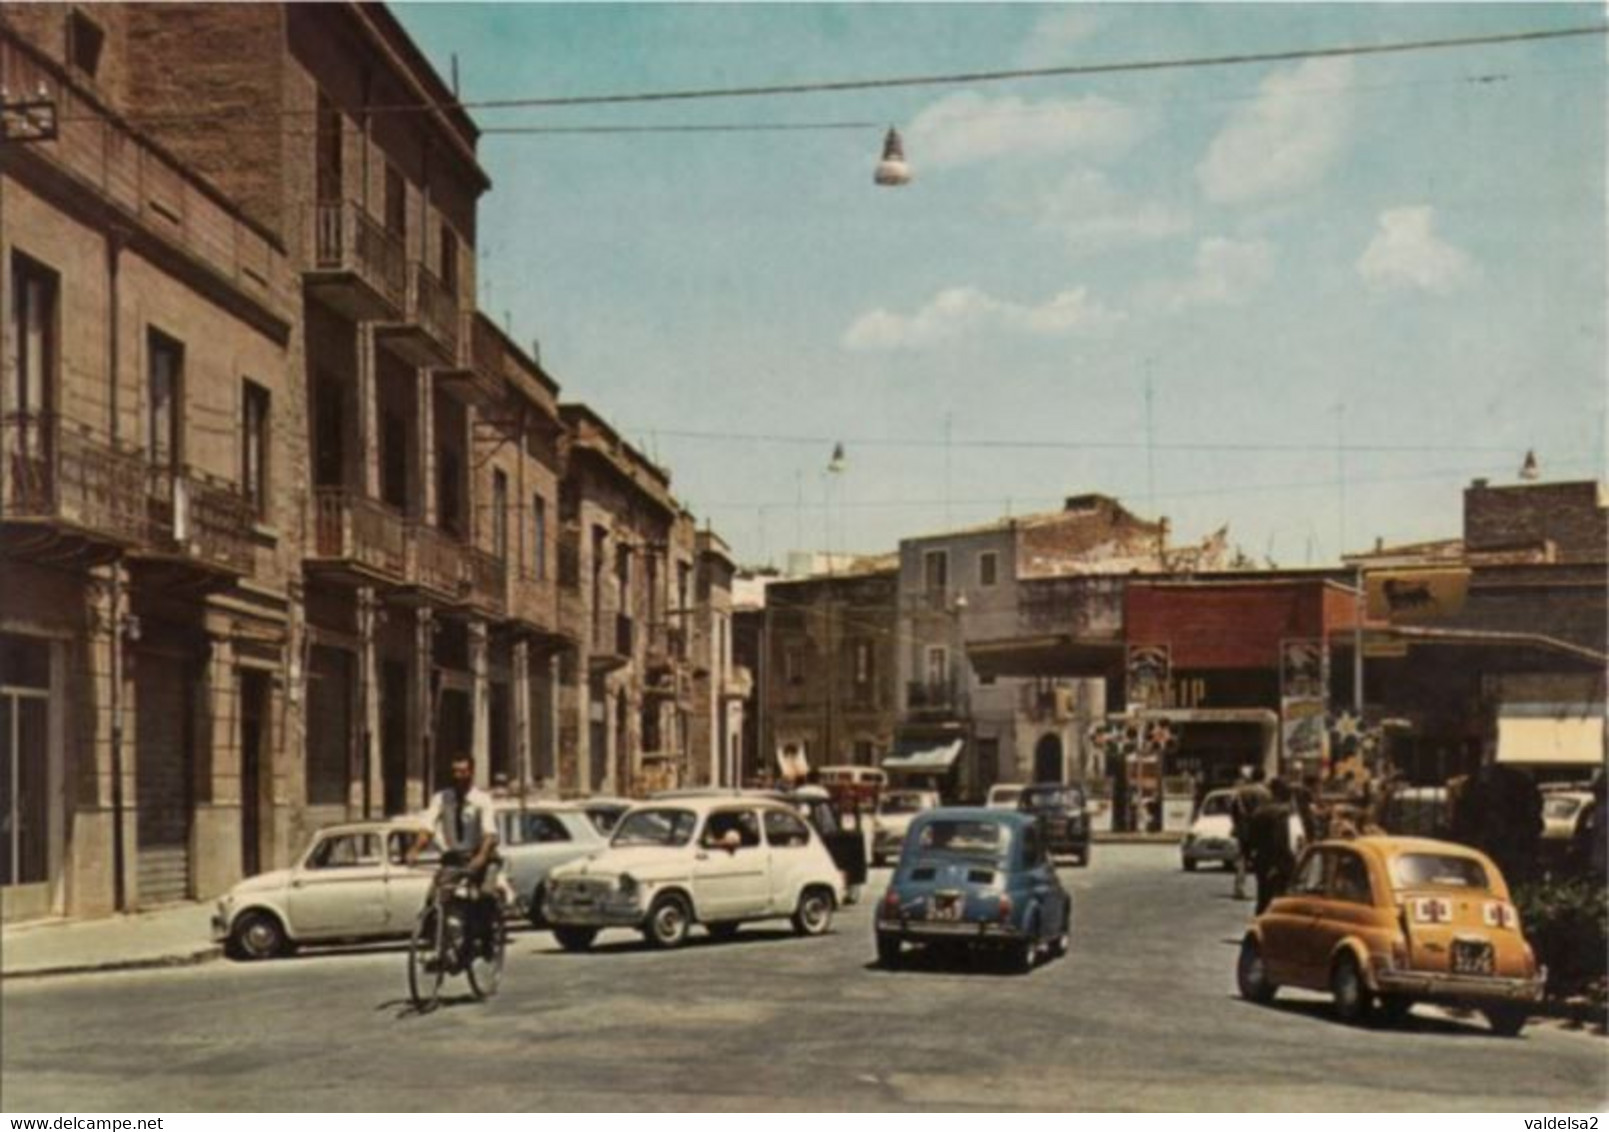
{"x":1403,"y":255}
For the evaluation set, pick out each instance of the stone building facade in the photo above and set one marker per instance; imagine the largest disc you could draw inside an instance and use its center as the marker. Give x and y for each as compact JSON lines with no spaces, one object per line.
{"x":281,"y":510}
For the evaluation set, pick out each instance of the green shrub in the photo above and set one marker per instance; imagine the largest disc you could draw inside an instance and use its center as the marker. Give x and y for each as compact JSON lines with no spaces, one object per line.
{"x":1567,"y":922}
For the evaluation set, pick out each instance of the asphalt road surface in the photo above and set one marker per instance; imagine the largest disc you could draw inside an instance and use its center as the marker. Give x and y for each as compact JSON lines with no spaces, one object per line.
{"x":1142,"y":1015}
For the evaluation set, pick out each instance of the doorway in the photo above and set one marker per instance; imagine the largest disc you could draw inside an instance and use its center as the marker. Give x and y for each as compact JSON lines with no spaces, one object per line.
{"x":394,"y":736}
{"x":1048,"y":759}
{"x":253,"y":739}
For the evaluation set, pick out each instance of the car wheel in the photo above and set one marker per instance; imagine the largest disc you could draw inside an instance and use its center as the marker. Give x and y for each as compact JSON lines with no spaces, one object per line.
{"x":1506,"y":1021}
{"x":890,"y":951}
{"x":1022,"y":955}
{"x":722,"y":931}
{"x":814,"y":913}
{"x":575,"y":939}
{"x":1189,"y":864}
{"x":1251,"y":974}
{"x":258,"y":935}
{"x":668,"y":921}
{"x":533,"y":908}
{"x":1353,"y":1002}
{"x":1063,"y":941}
{"x":1393,"y":1009}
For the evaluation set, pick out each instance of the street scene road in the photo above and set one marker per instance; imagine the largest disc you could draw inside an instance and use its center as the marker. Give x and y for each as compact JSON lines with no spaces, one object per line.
{"x":1142,"y":1014}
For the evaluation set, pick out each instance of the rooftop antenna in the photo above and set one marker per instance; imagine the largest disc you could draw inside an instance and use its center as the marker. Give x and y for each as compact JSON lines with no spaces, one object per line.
{"x":455,"y":76}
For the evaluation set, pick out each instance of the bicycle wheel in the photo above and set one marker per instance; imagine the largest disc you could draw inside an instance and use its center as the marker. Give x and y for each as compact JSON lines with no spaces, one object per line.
{"x":425,"y":955}
{"x":485,"y":967}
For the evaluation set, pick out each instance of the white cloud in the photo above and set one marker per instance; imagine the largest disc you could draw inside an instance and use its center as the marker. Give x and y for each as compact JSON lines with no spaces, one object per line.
{"x":1406,"y":253}
{"x":966,"y":128}
{"x":1093,"y":213}
{"x":1226,"y":272}
{"x":1285,"y":140}
{"x":961,"y":312}
{"x":1052,"y":41}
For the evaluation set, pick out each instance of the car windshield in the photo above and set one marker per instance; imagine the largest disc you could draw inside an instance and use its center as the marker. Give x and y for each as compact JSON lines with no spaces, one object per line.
{"x":603,"y":818}
{"x":1437,"y":870}
{"x":969,"y":838}
{"x":903,"y":804}
{"x":1216,"y":804}
{"x":1560,"y":807}
{"x":1070,"y":797}
{"x":655,"y":827}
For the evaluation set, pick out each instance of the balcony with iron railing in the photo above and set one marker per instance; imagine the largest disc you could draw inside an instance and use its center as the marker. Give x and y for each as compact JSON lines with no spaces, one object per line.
{"x":486,"y":576}
{"x":356,"y":266}
{"x":354,"y":533}
{"x":426,"y":332}
{"x":59,"y":476}
{"x":435,"y":563}
{"x":199,"y":520}
{"x":533,"y":602}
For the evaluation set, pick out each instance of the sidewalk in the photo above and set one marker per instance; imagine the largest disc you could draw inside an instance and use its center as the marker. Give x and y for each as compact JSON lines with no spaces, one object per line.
{"x":168,"y":937}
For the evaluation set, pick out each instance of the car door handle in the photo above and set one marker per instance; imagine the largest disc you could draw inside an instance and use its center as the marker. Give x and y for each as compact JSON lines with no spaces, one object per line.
{"x":701,"y":856}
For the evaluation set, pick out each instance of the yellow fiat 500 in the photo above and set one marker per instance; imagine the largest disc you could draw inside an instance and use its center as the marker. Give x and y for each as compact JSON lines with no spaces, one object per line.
{"x":1384,"y":922}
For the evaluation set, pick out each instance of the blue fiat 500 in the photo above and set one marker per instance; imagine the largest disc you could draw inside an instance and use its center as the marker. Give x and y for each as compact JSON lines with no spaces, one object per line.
{"x":976,"y":878}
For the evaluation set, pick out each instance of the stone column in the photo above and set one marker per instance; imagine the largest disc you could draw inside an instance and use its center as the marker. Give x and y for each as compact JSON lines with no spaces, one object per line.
{"x":422,"y":754}
{"x":480,"y":744}
{"x":366,"y":790}
{"x":520,"y":694}
{"x":368,"y":414}
{"x":550,"y":705}
{"x":215,"y":838}
{"x":98,"y":743}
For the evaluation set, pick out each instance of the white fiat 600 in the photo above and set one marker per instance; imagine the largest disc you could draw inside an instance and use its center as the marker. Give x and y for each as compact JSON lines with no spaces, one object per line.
{"x":718,"y":862}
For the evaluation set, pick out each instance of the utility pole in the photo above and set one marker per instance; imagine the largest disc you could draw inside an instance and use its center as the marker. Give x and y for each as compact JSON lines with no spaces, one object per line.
{"x":1150,"y":442}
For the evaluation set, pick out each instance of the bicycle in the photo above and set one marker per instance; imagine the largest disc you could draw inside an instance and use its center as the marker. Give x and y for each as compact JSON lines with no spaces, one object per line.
{"x":441,"y":943}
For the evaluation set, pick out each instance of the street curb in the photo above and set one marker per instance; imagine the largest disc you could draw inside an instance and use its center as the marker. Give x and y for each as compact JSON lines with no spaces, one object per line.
{"x":191,"y":959}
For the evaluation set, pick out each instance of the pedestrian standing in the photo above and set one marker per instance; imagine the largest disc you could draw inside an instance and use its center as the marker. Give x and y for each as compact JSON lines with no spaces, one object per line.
{"x":1272,"y":855}
{"x":1249,"y":796}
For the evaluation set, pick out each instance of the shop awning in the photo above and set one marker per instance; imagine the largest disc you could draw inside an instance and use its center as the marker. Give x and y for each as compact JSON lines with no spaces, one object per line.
{"x":1052,"y":655}
{"x":1551,"y":734}
{"x":934,"y":759}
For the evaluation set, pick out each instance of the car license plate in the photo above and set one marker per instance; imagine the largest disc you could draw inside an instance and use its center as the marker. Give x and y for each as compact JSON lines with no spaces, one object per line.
{"x":946,"y":908}
{"x":1472,"y":957}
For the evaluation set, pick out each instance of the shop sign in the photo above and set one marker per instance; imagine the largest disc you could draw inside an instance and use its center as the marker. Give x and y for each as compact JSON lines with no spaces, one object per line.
{"x":1304,"y":669}
{"x":1416,"y":595}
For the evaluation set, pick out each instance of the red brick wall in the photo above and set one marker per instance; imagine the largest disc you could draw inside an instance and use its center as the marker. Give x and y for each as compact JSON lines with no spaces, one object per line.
{"x":1223,"y":626}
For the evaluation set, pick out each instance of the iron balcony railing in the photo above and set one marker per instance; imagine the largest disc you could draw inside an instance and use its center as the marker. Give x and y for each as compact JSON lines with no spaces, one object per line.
{"x":200,"y":517}
{"x":56,"y":471}
{"x":353,"y":528}
{"x":348,"y":240}
{"x":435,"y":561}
{"x":487,"y":577}
{"x":432,"y":307}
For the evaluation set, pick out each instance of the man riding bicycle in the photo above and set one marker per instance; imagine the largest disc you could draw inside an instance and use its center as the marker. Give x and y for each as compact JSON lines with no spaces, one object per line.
{"x":460,"y":820}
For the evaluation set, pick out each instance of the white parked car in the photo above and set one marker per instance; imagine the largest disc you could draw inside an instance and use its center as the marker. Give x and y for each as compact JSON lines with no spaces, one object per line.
{"x":1003,"y":796}
{"x":350,"y":884}
{"x":895,"y":809}
{"x":1211,"y":836}
{"x":535,"y":838}
{"x":716,"y":861}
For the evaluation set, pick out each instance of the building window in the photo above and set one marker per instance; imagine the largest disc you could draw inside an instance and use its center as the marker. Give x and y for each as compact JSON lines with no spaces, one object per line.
{"x":500,"y":513}
{"x":84,"y":41}
{"x":988,"y":568}
{"x":165,"y":389}
{"x":539,"y":555}
{"x":33,"y":344}
{"x":863,"y":662}
{"x":327,"y":152}
{"x":24,"y":760}
{"x":254,"y":416}
{"x":938,"y":667}
{"x":793,"y":666}
{"x":935,"y":571}
{"x":449,"y":259}
{"x":396,"y":204}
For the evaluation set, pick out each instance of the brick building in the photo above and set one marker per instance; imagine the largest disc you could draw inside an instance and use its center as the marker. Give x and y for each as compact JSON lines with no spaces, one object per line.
{"x":281,"y":510}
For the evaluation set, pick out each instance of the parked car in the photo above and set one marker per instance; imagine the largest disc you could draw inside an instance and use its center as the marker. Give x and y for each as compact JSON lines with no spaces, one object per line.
{"x":1063,"y":812}
{"x":895,"y":809}
{"x":1385,"y":922}
{"x":350,"y":884}
{"x":1211,"y":836}
{"x":716,"y":861}
{"x":1003,"y":796}
{"x":1563,"y":812}
{"x":605,"y":811}
{"x":976,"y":877}
{"x":533,"y":839}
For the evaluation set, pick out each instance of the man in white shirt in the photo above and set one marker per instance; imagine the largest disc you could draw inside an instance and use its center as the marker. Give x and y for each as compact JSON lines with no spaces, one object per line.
{"x":460,"y":820}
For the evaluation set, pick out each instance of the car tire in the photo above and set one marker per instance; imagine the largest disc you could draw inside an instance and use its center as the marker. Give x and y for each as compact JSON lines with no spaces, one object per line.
{"x":574,"y":938}
{"x":813,"y":915}
{"x":1354,"y":1003}
{"x":1506,"y":1021}
{"x":258,"y":935}
{"x":1022,"y":956}
{"x":1251,"y":974}
{"x":1063,"y":941}
{"x":890,"y":951}
{"x":533,"y":908}
{"x":669,"y":917}
{"x":1189,"y":864}
{"x":722,"y":931}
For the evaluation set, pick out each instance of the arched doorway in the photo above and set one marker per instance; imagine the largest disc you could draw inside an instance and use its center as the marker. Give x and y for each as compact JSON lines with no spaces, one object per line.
{"x":1048,"y":759}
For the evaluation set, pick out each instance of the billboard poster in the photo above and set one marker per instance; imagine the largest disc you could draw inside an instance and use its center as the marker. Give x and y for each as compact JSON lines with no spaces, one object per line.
{"x":1149,"y":671}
